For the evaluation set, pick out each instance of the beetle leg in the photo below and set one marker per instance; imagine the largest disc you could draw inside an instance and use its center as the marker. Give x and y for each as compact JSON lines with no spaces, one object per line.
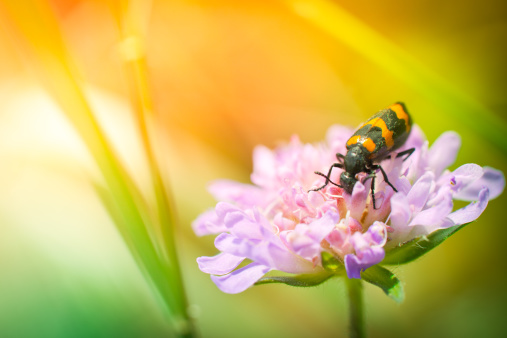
{"x":321,"y":174}
{"x":376,"y":166}
{"x":372,"y":175}
{"x":373,"y":190}
{"x":340,"y":157}
{"x":407,"y":152}
{"x":328,"y":180}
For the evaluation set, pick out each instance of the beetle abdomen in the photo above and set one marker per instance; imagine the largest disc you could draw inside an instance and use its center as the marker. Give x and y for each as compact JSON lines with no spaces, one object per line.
{"x":383,"y":132}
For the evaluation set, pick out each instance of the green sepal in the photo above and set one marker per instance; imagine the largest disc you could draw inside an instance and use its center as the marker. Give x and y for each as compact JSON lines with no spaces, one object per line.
{"x":331,"y":263}
{"x":303,"y":280}
{"x":419,"y":246}
{"x":333,"y":267}
{"x":385,"y":280}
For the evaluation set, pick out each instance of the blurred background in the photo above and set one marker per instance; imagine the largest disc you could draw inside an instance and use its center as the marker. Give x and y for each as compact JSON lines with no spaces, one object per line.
{"x":225,"y":76}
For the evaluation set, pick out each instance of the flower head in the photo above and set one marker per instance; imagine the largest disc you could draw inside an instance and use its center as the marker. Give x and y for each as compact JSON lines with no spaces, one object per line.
{"x":279,"y":223}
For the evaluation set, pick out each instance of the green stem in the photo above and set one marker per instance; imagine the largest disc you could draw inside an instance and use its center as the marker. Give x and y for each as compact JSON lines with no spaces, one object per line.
{"x":355,"y":293}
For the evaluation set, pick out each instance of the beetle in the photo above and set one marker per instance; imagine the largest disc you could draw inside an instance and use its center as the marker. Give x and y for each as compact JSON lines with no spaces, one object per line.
{"x":372,"y":142}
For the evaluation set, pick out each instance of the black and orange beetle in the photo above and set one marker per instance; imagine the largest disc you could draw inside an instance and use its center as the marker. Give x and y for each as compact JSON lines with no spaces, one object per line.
{"x":381,"y":134}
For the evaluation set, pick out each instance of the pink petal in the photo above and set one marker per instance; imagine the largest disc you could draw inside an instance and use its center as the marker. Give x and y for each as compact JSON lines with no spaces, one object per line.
{"x":354,"y":264}
{"x":220,"y":264}
{"x":464,"y":176}
{"x":418,"y":195}
{"x":267,"y":253}
{"x":235,"y":246}
{"x":403,"y":185}
{"x":320,"y":228}
{"x":282,"y":259}
{"x":493,"y":179}
{"x":242,"y":226}
{"x":223,"y":208}
{"x":305,"y":240}
{"x":368,"y":250}
{"x":471,"y":211}
{"x":377,"y":233}
{"x":208,"y":223}
{"x":443,"y":152}
{"x":432,"y":217}
{"x":400,"y":211}
{"x":241,"y":279}
{"x":356,"y":202}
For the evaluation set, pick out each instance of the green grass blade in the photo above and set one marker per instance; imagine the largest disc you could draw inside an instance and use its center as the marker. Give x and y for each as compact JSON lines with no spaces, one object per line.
{"x":136,"y":71}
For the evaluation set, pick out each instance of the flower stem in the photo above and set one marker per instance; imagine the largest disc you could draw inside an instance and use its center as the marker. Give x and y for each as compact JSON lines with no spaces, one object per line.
{"x":355,"y":292}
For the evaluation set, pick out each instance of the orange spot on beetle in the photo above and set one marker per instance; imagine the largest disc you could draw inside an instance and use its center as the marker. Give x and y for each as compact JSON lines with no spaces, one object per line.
{"x":400,"y":113}
{"x":368,"y":144}
{"x":353,"y":140}
{"x":386,"y":133}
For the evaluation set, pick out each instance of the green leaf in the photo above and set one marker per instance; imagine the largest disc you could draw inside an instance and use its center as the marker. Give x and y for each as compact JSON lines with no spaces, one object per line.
{"x":417,"y":247}
{"x":303,"y":280}
{"x":385,"y":280}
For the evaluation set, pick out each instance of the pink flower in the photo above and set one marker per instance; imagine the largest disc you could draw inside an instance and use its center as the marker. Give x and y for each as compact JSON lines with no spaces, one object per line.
{"x":279,"y":224}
